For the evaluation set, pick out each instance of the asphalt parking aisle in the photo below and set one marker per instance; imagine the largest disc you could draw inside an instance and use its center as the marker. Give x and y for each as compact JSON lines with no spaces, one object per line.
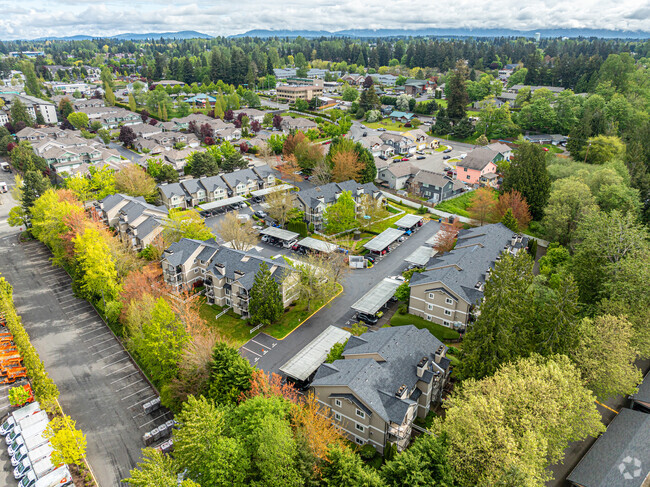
{"x":257,"y":347}
{"x":100,"y":386}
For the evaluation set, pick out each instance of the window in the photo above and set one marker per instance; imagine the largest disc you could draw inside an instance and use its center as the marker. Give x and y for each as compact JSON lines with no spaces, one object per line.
{"x":449,"y":301}
{"x":360,"y":413}
{"x":227,"y":302}
{"x":465,"y":169}
{"x":428,"y":317}
{"x":430,"y":295}
{"x":446,"y":323}
{"x":447,"y":312}
{"x":468,"y":176}
{"x":338,"y":403}
{"x":227,"y":292}
{"x":430,"y":306}
{"x":358,"y":441}
{"x":196,"y":270}
{"x":359,"y":427}
{"x":337,"y":416}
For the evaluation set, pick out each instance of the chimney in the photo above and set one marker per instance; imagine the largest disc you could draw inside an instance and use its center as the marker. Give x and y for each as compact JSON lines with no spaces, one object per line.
{"x":513,"y":240}
{"x":422,"y":366}
{"x":439,"y":354}
{"x":401,"y":392}
{"x":221,"y":269}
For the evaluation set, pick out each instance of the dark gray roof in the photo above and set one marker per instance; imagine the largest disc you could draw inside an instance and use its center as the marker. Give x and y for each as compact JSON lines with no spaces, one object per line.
{"x":432,"y":179}
{"x":148,"y":226}
{"x":211,"y":183}
{"x":328,"y":191}
{"x":241,"y":175}
{"x":375,"y":383}
{"x":247,"y":263}
{"x":179,"y":252}
{"x":461,"y":269}
{"x":620,"y":457}
{"x":643,"y":394}
{"x":478,"y":158}
{"x":111,"y":201}
{"x":191,"y":186}
{"x":263,"y":171}
{"x":172,"y":189}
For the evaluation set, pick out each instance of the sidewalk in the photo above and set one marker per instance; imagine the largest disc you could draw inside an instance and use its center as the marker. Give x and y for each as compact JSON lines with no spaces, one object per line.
{"x":444,"y":214}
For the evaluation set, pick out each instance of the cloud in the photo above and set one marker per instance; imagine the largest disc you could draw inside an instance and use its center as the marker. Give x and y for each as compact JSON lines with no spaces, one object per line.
{"x":35,"y":18}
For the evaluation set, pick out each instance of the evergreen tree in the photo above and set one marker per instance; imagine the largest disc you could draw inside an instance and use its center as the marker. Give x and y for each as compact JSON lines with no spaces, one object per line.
{"x":458,"y":99}
{"x":132,"y":105}
{"x":109,"y":96}
{"x":19,"y":113}
{"x":463,"y":129}
{"x":34,"y":185}
{"x":443,"y":124}
{"x":510,"y":221}
{"x":528,"y":175}
{"x":265,"y":304}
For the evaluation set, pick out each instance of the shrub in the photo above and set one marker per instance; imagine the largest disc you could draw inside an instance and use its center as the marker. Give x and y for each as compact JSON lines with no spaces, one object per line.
{"x":367,"y":452}
{"x":18,"y":396}
{"x":403,"y":309}
{"x":421,"y":210}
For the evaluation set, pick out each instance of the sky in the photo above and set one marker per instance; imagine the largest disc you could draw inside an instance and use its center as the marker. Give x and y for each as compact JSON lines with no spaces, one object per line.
{"x":28,"y":19}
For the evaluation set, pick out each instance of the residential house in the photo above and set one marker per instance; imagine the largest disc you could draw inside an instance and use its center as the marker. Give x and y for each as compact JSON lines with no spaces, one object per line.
{"x":178,"y":158}
{"x":313,"y":202}
{"x":33,"y":135}
{"x":137,"y":222}
{"x":436,"y":187}
{"x":198,"y":118}
{"x":384,"y":380}
{"x":373,"y":144}
{"x":422,"y":139}
{"x":396,"y":176}
{"x":620,"y":457}
{"x":400,"y":143}
{"x":503,"y":149}
{"x":478,"y":162}
{"x":173,"y":195}
{"x":242,"y":181}
{"x":353,"y":79}
{"x":194,"y":191}
{"x":451,"y":288}
{"x":555,"y":139}
{"x":289,"y":124}
{"x":251,"y":113}
{"x":229,"y":133}
{"x":398,"y":116}
{"x":148,"y":146}
{"x":145,"y":130}
{"x":417,"y":87}
{"x":227,"y":274}
{"x":88,"y":103}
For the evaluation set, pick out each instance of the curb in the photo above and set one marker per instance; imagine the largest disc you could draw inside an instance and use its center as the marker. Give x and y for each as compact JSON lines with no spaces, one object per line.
{"x":309,"y":317}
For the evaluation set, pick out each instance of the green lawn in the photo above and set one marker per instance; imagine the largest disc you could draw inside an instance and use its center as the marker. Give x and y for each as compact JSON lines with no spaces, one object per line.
{"x":553,"y":149}
{"x":457,"y":205}
{"x":230,"y":325}
{"x":388,"y":124}
{"x":439,"y":331}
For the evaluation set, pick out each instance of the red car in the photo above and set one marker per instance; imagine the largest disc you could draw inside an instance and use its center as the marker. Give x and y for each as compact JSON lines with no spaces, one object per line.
{"x":545,"y":149}
{"x":404,"y":159}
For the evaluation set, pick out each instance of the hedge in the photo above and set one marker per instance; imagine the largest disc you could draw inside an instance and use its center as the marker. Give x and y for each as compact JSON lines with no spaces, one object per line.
{"x":298,"y":227}
{"x":45,"y":390}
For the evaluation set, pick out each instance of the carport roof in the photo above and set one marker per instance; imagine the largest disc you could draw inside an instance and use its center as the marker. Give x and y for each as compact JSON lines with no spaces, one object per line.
{"x":279,"y":233}
{"x":315,"y":244}
{"x":373,"y":300}
{"x":408,"y":221}
{"x":307,"y":360}
{"x":213,"y":205}
{"x":421,"y":255}
{"x":384,"y":239}
{"x":272,"y":189}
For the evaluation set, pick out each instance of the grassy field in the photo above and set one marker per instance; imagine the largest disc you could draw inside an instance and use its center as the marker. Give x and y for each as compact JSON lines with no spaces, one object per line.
{"x":457,"y":206}
{"x":388,"y":124}
{"x":439,"y":331}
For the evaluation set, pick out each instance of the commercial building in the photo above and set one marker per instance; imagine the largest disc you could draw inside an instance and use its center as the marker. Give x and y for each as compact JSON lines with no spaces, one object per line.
{"x":293,"y":93}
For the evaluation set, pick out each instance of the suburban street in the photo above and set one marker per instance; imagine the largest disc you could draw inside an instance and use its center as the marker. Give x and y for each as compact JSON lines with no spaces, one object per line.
{"x":338,"y":312}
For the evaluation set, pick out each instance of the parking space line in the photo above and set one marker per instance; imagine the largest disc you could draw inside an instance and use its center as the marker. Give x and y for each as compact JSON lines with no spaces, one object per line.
{"x":249,"y":350}
{"x":117,"y":380}
{"x":117,"y":362}
{"x":114,"y":353}
{"x":133,"y":394}
{"x":108,"y":348}
{"x":141,"y":402}
{"x":127,"y":386}
{"x":111,"y":337}
{"x":153,"y":420}
{"x":99,"y":328}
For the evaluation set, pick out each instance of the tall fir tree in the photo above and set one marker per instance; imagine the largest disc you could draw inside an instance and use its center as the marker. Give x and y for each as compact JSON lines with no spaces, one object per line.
{"x":528,"y":175}
{"x":458,"y":97}
{"x":265,"y":301}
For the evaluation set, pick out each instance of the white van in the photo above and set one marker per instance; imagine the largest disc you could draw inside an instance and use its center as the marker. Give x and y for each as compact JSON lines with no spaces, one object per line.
{"x":19,"y":414}
{"x":25,"y":424}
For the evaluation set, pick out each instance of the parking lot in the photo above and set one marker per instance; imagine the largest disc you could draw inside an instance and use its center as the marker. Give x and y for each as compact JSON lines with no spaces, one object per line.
{"x":257,"y":347}
{"x":100,"y":387}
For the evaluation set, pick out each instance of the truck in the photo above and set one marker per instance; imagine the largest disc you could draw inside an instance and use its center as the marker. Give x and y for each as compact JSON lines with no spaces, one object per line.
{"x":5,"y":167}
{"x":32,"y":438}
{"x":26,"y":423}
{"x":18,"y":415}
{"x":3,"y":187}
{"x":59,"y":477}
{"x":34,"y":455}
{"x":37,"y":470}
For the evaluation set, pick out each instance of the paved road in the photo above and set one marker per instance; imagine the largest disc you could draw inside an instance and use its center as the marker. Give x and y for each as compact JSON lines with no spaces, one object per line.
{"x":338,"y":312}
{"x":124,"y":152}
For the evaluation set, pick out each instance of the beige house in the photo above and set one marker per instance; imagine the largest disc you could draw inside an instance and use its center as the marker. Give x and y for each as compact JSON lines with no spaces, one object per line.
{"x":451,"y":288}
{"x":385,"y":380}
{"x":137,"y":222}
{"x":228,"y":274}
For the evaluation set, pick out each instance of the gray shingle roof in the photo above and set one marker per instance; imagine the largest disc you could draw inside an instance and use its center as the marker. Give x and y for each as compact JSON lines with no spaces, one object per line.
{"x":461,"y":269}
{"x":328,"y":192}
{"x":432,"y":179}
{"x":375,"y":383}
{"x":643,"y":394}
{"x":179,"y":252}
{"x":148,"y":226}
{"x":623,"y":448}
{"x":242,"y":175}
{"x":478,"y":158}
{"x":247,"y":263}
{"x":172,"y":189}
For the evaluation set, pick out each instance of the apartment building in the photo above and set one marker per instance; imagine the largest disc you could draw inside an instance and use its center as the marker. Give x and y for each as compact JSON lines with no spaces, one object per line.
{"x":137,"y":222}
{"x":227,"y":274}
{"x":451,"y":288}
{"x":385,"y":380}
{"x":65,"y":152}
{"x":33,"y":105}
{"x":314,"y":202}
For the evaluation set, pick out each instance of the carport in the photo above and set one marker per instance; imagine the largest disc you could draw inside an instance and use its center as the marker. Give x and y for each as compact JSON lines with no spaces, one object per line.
{"x":377,"y":297}
{"x":303,"y":364}
{"x":383,"y":240}
{"x":213,"y":205}
{"x":409,"y":222}
{"x":318,"y":245}
{"x":260,"y":193}
{"x":280,"y":234}
{"x":421,"y":256}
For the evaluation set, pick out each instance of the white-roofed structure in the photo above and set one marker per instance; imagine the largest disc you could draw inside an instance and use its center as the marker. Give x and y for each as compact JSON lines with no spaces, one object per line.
{"x":408,"y":221}
{"x":384,"y":239}
{"x":266,"y":191}
{"x":213,"y":205}
{"x":280,"y":233}
{"x":421,"y":256}
{"x":303,"y":364}
{"x":377,"y":297}
{"x":318,"y":245}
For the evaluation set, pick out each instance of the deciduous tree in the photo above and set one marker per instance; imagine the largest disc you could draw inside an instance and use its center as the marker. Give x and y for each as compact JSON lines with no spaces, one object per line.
{"x":280,"y":204}
{"x":68,"y":443}
{"x":185,"y":224}
{"x":239,"y":234}
{"x":570,"y":201}
{"x":79,"y":120}
{"x":345,"y":166}
{"x":133,"y":180}
{"x":482,"y":205}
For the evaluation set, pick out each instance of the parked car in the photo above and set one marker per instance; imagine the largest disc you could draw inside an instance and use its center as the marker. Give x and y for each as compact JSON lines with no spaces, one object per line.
{"x":404,"y":159}
{"x":381,"y":129}
{"x":445,"y":157}
{"x":365,"y":134}
{"x":266,"y":238}
{"x":419,"y":158}
{"x":545,"y":149}
{"x":369,"y":258}
{"x":447,"y":150}
{"x":367,"y":318}
{"x":260,"y":214}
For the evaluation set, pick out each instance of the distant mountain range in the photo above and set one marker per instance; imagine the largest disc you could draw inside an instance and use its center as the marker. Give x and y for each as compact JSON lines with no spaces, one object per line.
{"x":451,"y":32}
{"x":186,"y":34}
